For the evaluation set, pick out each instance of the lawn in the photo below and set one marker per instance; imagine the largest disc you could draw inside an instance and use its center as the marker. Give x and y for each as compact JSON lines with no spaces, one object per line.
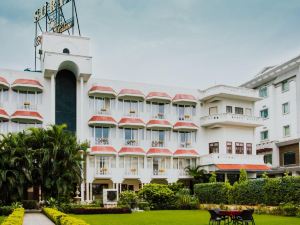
{"x":1,"y":219}
{"x":175,"y":217}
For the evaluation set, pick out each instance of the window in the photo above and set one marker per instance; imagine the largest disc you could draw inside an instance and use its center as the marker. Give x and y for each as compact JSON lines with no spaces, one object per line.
{"x":158,"y":138}
{"x":185,"y":112}
{"x":66,"y":50}
{"x":185,"y":139}
{"x":248,"y":112}
{"x":285,"y":108}
{"x":263,"y":92}
{"x":249,"y":148}
{"x":239,"y":110}
{"x":286,"y":131}
{"x":213,"y":110}
{"x":213,"y":147}
{"x":264,"y":113}
{"x":289,"y":158}
{"x":100,"y":105}
{"x":158,"y":110}
{"x":268,"y":159}
{"x":285,"y":86}
{"x":229,"y":147}
{"x":228,"y":109}
{"x":264,"y":135}
{"x":239,"y":148}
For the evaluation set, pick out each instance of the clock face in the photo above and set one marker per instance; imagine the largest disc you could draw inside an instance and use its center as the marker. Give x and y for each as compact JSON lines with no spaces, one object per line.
{"x":112,"y":196}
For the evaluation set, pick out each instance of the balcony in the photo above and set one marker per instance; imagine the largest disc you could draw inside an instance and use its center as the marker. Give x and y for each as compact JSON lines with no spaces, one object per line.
{"x":185,"y":145}
{"x":218,"y":120}
{"x":216,"y":158}
{"x":223,"y":91}
{"x":131,"y":172}
{"x":131,"y":122}
{"x":102,"y":111}
{"x":97,"y":120}
{"x":160,"y":173}
{"x":103,"y":172}
{"x":182,"y":173}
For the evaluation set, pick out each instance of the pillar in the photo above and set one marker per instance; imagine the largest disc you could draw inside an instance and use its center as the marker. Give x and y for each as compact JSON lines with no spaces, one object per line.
{"x":52,"y":99}
{"x":80,"y":127}
{"x":87,"y":191}
{"x":91,"y":192}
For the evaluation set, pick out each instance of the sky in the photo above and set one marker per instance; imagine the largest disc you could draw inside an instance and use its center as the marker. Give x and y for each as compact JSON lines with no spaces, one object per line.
{"x":189,"y":43}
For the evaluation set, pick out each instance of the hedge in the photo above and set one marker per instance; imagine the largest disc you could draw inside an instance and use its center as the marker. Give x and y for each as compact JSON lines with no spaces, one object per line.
{"x":15,"y":218}
{"x":60,"y":218}
{"x":212,"y":192}
{"x":269,"y":191}
{"x":100,"y":210}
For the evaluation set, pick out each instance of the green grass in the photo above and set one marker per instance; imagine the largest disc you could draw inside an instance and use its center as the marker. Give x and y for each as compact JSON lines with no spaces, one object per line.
{"x":2,"y":218}
{"x":175,"y":217}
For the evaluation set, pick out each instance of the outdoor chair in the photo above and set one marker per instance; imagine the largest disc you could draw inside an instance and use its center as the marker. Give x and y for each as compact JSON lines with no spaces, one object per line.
{"x":216,"y":218}
{"x":246,"y":217}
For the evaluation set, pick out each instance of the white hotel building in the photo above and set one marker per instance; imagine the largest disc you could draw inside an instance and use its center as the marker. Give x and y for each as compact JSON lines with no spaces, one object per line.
{"x":278,"y":138}
{"x":138,"y":133}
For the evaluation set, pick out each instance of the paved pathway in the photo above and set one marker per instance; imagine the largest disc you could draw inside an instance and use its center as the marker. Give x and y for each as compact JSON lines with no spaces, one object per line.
{"x":36,"y":218}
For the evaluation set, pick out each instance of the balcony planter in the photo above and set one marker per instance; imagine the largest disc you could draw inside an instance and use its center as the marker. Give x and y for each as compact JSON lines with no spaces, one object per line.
{"x":133,"y":170}
{"x":161,"y":170}
{"x":132,"y":111}
{"x":186,"y":116}
{"x":103,"y":110}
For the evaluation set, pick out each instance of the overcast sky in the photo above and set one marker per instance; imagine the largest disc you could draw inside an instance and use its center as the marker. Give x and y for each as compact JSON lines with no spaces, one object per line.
{"x":190,"y":43}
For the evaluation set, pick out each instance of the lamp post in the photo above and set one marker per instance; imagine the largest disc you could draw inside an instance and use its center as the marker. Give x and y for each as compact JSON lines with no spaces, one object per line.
{"x":81,"y":152}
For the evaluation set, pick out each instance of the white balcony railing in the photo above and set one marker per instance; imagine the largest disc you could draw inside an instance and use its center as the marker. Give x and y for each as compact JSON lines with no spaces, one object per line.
{"x":231,"y":119}
{"x":101,"y":171}
{"x":216,"y":158}
{"x":185,"y":145}
{"x":27,"y":106}
{"x":186,"y":117}
{"x":158,"y":143}
{"x":102,"y":111}
{"x":131,"y":113}
{"x":131,"y":171}
{"x":159,"y":172}
{"x":101,"y":141}
{"x":131,"y":142}
{"x":183,"y":172}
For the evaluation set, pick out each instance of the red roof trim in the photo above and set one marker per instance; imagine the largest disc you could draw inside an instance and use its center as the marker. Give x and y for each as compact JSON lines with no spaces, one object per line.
{"x":27,"y":82}
{"x":185,"y":97}
{"x":242,"y":166}
{"x":132,"y":150}
{"x":159,"y":151}
{"x":4,"y":81}
{"x":103,"y":89}
{"x":23,"y":113}
{"x":163,"y":123}
{"x":3,"y":114}
{"x":104,"y":119}
{"x":136,"y":121}
{"x":186,"y":152}
{"x":185,"y":125}
{"x":103,"y":149}
{"x":132,"y":92}
{"x":158,"y":95}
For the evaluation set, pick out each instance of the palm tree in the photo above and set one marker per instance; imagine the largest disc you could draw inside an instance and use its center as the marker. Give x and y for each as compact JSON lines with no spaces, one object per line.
{"x":199,"y":175}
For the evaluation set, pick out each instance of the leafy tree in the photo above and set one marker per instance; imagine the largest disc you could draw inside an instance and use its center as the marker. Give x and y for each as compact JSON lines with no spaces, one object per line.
{"x":243,"y":176}
{"x":199,"y":175}
{"x":213,"y":178}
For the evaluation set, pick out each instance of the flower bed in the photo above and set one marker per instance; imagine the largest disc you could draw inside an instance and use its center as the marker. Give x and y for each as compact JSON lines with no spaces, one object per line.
{"x":100,"y":210}
{"x":60,"y":218}
{"x":15,"y":218}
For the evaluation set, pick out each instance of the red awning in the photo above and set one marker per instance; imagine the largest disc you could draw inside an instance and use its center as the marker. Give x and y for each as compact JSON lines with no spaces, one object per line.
{"x":3,"y":115}
{"x":181,"y":98}
{"x":21,"y":84}
{"x":104,"y":150}
{"x":4,"y":83}
{"x":242,"y":166}
{"x":131,"y":151}
{"x":131,"y":122}
{"x":161,"y":96}
{"x":101,"y":120}
{"x":186,"y":153}
{"x":102,"y":90}
{"x":131,"y":93}
{"x":185,"y":126}
{"x":159,"y":124}
{"x":159,"y":152}
{"x":24,"y":115}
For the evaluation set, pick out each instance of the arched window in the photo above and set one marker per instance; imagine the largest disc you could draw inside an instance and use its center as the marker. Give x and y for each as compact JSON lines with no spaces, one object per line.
{"x":66,"y":50}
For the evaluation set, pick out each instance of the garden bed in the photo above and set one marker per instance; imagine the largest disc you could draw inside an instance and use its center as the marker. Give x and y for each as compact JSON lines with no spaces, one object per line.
{"x":100,"y":210}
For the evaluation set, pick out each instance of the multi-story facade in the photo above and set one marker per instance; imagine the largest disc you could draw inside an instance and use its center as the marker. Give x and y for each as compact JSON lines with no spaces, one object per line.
{"x":278,"y":139}
{"x":138,"y":133}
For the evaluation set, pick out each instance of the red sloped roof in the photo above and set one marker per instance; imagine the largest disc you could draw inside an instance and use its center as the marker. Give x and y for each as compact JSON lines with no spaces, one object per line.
{"x":159,"y":151}
{"x":103,"y":149}
{"x":242,"y":166}
{"x":185,"y":97}
{"x":159,"y":95}
{"x":185,"y":125}
{"x":24,"y":114}
{"x":102,"y":89}
{"x":102,"y":119}
{"x":185,"y":152}
{"x":3,"y":114}
{"x":158,"y":123}
{"x":4,"y":81}
{"x":132,"y":151}
{"x":132,"y":92}
{"x":27,"y":82}
{"x":131,"y":121}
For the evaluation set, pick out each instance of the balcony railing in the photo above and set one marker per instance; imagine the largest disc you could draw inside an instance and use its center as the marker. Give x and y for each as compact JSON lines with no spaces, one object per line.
{"x":101,"y":141}
{"x":27,"y":106}
{"x":131,"y":172}
{"x":132,"y":113}
{"x":158,"y":144}
{"x":183,"y":172}
{"x":160,"y":116}
{"x":186,"y":117}
{"x":185,"y":145}
{"x":131,"y":142}
{"x":100,"y":171}
{"x":233,"y":119}
{"x":159,"y":172}
{"x":103,"y":111}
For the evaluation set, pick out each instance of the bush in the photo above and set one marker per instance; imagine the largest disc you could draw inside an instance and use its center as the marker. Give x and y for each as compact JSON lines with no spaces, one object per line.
{"x":159,"y":196}
{"x":29,"y":204}
{"x":214,"y":193}
{"x":15,"y":218}
{"x":6,"y":210}
{"x":128,"y":199}
{"x":100,"y":210}
{"x":143,"y":205}
{"x":60,"y":218}
{"x":288,"y":209}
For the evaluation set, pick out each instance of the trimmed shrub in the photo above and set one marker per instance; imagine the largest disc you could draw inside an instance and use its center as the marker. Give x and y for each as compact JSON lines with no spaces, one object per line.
{"x":215,"y":193}
{"x":159,"y":196}
{"x":100,"y":210}
{"x":69,"y":220}
{"x":29,"y":204}
{"x":15,"y":218}
{"x":6,"y":210}
{"x":60,"y":218}
{"x":144,"y":205}
{"x":128,"y":199}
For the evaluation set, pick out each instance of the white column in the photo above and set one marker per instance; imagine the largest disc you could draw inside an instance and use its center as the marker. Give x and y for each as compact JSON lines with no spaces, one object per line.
{"x":87,"y":191}
{"x":52,"y":99}
{"x":80,"y":127}
{"x":91,"y":191}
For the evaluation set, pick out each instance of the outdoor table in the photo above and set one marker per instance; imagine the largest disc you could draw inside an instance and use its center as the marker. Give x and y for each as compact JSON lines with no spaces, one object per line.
{"x":231,"y":213}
